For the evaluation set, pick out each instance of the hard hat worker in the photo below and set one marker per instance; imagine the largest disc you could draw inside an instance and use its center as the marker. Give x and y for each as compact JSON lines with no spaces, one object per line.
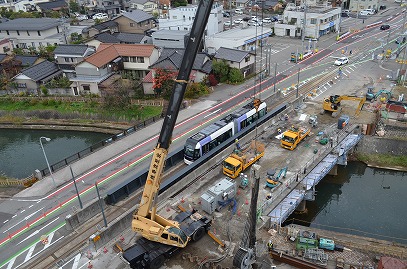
{"x":270,"y":245}
{"x":237,"y":144}
{"x":279,"y":131}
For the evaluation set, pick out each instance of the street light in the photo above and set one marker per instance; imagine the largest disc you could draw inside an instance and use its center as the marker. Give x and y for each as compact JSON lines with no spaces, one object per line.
{"x":46,"y":159}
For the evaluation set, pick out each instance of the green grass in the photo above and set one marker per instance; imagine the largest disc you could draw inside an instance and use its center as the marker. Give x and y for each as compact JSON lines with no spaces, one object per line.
{"x":90,"y":107}
{"x":383,"y":159}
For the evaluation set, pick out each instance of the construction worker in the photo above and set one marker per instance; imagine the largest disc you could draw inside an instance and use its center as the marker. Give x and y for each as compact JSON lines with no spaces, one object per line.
{"x":237,"y":144}
{"x":279,"y":131}
{"x":270,"y":245}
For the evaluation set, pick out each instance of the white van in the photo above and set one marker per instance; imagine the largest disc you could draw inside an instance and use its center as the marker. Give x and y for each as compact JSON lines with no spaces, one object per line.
{"x":364,"y":13}
{"x":239,"y":11}
{"x":370,"y":11}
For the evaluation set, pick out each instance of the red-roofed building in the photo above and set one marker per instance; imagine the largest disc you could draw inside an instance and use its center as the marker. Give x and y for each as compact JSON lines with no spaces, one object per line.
{"x":391,"y":263}
{"x":131,"y":61}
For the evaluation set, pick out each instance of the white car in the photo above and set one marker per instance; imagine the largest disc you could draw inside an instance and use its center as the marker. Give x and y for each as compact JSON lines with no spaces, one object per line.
{"x":237,"y":21}
{"x":341,"y":60}
{"x":239,"y":11}
{"x":82,"y":17}
{"x":227,"y":23}
{"x":266,"y":20}
{"x":364,"y":13}
{"x":255,"y":23}
{"x":100,"y":16}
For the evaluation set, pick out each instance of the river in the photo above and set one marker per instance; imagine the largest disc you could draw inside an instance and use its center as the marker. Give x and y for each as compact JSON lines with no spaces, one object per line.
{"x":359,"y":200}
{"x":21,"y":153}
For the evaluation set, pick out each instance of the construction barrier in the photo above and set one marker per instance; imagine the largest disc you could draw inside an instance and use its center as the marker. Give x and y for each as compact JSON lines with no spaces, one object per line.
{"x":26,"y":182}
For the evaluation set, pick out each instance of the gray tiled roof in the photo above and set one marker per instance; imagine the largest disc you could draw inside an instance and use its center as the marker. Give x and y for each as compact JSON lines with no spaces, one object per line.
{"x":129,"y":38}
{"x":207,"y":67}
{"x":71,"y":49}
{"x":2,"y":56}
{"x":233,"y":55}
{"x":137,"y":15}
{"x":26,"y":60}
{"x":30,"y":24}
{"x":41,"y":71}
{"x":172,"y":58}
{"x":107,"y":38}
{"x":105,"y":25}
{"x":52,"y":4}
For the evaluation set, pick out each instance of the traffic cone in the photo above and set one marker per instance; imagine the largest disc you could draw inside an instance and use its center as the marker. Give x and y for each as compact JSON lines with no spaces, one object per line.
{"x":104,"y":250}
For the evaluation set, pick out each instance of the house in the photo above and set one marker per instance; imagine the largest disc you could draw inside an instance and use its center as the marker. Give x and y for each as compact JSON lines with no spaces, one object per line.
{"x":243,"y":38}
{"x":31,"y":78}
{"x":67,"y":56}
{"x":28,"y":60}
{"x":33,"y":32}
{"x":129,"y":60}
{"x":241,"y":3}
{"x":24,"y":5}
{"x":181,"y":19}
{"x":56,"y":5}
{"x":386,"y":262}
{"x":135,"y":21}
{"x":144,"y":5}
{"x":107,"y":26}
{"x":110,"y":7}
{"x":358,"y":5}
{"x":320,"y":20}
{"x":118,"y":38}
{"x":169,"y":38}
{"x":6,"y":46}
{"x":240,"y":59}
{"x":170,"y":59}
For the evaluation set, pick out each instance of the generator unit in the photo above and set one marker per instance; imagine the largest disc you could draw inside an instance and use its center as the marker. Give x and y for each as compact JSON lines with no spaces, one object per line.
{"x":219,"y":195}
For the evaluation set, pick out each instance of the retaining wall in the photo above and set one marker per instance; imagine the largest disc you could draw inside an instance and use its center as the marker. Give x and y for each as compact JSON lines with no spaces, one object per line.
{"x":381,"y":145}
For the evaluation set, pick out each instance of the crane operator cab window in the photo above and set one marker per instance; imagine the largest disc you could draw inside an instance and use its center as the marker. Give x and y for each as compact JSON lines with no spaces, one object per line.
{"x":181,"y":235}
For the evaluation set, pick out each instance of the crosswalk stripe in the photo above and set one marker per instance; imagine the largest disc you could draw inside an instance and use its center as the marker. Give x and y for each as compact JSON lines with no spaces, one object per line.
{"x":30,"y":253}
{"x":11,"y":263}
{"x":76,"y":261}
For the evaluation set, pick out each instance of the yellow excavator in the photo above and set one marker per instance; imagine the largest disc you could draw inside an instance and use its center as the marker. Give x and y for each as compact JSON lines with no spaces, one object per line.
{"x":333,"y":104}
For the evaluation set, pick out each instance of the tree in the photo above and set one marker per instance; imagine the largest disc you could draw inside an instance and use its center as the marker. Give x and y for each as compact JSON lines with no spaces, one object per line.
{"x":212,"y":80}
{"x":163,"y":82}
{"x":73,"y":6}
{"x":47,"y":52}
{"x":235,"y":76}
{"x":221,"y":70}
{"x":118,"y":96}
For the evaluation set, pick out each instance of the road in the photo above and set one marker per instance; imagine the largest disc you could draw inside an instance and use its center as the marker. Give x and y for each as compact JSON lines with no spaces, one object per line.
{"x":24,"y":220}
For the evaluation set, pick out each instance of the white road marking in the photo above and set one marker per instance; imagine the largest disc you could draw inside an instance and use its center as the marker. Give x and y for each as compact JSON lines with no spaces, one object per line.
{"x":11,"y":263}
{"x":26,"y":218}
{"x":37,"y":231}
{"x":30,"y":253}
{"x":50,"y":236}
{"x":76,"y":261}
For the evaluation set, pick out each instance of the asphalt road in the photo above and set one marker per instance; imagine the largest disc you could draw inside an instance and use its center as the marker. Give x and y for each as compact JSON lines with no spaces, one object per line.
{"x":41,"y":210}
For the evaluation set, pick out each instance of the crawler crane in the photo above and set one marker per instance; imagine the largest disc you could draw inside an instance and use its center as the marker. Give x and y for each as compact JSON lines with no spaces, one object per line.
{"x":162,"y":237}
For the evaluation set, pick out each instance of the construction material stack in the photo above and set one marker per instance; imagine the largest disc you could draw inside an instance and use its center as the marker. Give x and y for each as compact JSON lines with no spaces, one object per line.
{"x":240,"y":160}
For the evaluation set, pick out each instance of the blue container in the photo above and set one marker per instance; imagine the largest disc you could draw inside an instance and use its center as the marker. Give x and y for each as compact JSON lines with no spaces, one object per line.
{"x":343,"y":121}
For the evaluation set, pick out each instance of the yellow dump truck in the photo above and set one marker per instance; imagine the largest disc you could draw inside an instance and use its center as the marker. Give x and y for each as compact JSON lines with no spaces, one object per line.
{"x":238,"y":161}
{"x":293,"y":136}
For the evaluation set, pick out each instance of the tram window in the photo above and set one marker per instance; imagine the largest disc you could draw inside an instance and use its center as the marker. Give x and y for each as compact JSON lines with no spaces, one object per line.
{"x":196,"y":154}
{"x":212,"y":144}
{"x":249,"y":120}
{"x":205,"y":149}
{"x":262,"y":112}
{"x":255,"y":117}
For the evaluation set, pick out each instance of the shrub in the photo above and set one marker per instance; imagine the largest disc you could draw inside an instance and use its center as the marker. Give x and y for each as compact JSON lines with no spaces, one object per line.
{"x":212,"y":80}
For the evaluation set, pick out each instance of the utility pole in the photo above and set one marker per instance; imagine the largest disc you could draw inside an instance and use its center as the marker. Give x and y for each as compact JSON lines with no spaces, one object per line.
{"x":303,"y":26}
{"x":275,"y":80}
{"x":298,"y":82}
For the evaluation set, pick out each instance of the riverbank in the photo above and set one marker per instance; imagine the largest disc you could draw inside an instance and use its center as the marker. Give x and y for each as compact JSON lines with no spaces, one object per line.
{"x":97,"y":127}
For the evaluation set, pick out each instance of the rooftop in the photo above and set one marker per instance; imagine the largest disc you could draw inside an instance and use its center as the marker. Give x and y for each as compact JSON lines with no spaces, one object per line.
{"x":30,"y":24}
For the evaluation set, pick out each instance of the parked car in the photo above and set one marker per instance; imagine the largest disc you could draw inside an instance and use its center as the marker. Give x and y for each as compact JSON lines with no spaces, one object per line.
{"x":100,"y":16}
{"x":274,"y":19}
{"x":344,"y":14}
{"x":364,"y":13}
{"x":382,"y":7}
{"x":228,"y":24}
{"x":226,"y":14}
{"x":266,"y":20}
{"x":370,"y":11}
{"x":237,"y":21}
{"x":239,"y":11}
{"x":384,"y":27}
{"x":255,"y":23}
{"x":400,"y":40}
{"x":341,"y":60}
{"x":346,"y":11}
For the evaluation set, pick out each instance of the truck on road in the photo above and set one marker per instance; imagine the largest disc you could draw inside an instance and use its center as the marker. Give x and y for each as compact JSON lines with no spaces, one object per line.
{"x":240,"y":160}
{"x":293,"y":136}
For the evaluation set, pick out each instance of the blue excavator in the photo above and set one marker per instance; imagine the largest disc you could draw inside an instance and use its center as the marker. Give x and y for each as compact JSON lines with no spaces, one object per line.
{"x":370,"y":95}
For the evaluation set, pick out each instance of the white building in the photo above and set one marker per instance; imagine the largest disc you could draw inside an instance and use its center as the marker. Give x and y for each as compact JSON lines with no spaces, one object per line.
{"x":320,"y":20}
{"x":244,"y":38}
{"x":182,"y":18}
{"x":358,"y":5}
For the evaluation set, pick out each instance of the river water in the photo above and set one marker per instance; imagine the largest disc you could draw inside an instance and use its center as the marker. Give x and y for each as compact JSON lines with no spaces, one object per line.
{"x":21,"y":153}
{"x":360,"y":200}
